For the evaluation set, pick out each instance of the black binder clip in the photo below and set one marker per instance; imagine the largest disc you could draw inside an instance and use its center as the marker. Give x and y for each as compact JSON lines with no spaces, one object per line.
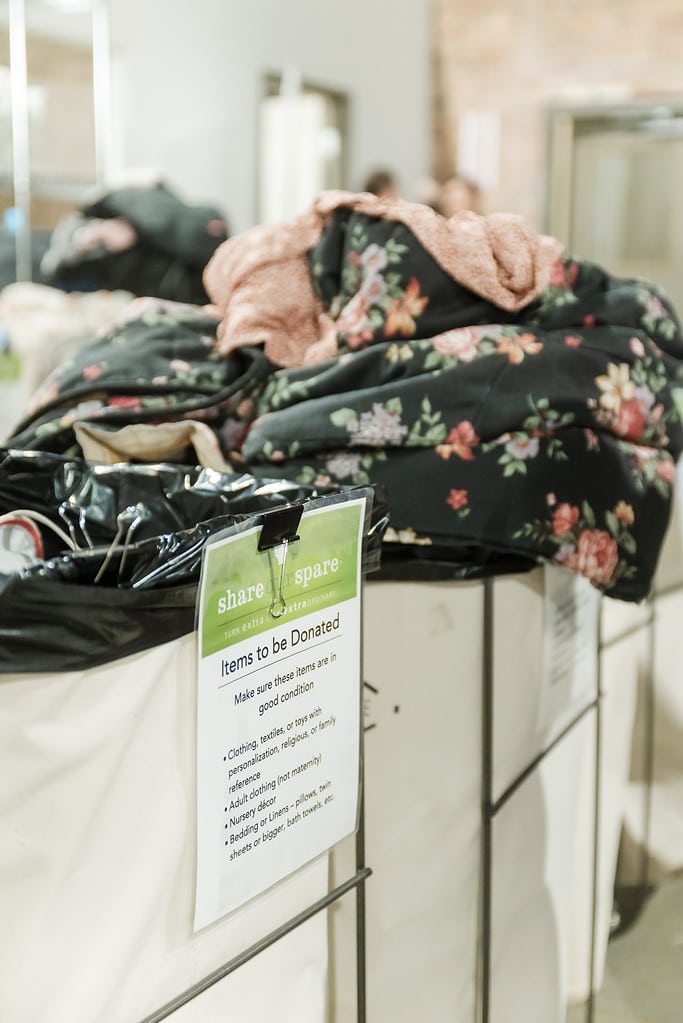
{"x":280,"y":524}
{"x":278,"y":531}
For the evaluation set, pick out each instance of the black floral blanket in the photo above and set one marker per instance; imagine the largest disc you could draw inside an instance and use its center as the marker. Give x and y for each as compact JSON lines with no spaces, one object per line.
{"x":547,"y":435}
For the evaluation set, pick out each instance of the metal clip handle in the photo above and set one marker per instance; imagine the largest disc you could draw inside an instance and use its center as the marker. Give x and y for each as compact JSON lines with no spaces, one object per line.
{"x":279,"y":604}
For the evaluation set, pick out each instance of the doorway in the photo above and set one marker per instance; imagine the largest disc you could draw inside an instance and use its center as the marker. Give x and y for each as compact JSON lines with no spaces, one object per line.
{"x":615,"y":190}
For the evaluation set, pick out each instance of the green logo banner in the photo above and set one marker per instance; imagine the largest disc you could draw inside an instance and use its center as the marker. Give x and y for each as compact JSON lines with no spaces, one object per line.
{"x":240,"y":583}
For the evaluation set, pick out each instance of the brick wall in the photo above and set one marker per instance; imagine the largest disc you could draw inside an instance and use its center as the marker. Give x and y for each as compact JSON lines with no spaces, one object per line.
{"x":518,"y":58}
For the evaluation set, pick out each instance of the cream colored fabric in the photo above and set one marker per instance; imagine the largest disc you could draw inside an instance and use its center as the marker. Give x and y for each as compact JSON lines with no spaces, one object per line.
{"x":145,"y":442}
{"x":45,"y":326}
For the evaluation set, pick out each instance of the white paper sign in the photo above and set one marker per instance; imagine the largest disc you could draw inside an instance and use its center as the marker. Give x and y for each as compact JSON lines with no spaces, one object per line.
{"x":570,"y":641}
{"x":278,"y":726}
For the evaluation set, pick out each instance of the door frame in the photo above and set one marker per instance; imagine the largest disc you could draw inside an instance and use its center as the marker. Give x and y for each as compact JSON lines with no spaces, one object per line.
{"x":566,"y":124}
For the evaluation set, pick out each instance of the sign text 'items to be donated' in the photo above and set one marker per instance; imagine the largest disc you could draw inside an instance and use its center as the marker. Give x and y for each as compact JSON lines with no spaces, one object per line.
{"x":278,"y":729}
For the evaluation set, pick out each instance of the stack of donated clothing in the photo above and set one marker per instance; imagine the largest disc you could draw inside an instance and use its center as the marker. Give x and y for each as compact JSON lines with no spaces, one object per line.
{"x":517,"y":406}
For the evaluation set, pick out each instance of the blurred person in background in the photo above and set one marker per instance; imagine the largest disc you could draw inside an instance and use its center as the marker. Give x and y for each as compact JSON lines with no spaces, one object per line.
{"x":459,"y":193}
{"x":381,"y":182}
{"x":451,"y":196}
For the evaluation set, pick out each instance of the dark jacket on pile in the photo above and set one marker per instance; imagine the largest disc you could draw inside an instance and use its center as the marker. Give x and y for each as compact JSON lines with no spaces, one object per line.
{"x":163,"y":253}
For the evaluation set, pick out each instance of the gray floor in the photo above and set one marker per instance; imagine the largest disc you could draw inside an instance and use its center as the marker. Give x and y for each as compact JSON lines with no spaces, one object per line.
{"x":644,"y":972}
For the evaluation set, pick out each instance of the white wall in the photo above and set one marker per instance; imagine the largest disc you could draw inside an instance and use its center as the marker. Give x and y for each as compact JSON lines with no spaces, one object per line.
{"x":188,"y":78}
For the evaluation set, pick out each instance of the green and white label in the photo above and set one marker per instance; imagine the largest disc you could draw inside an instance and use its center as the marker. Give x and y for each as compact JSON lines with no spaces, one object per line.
{"x":321,"y":570}
{"x":10,"y":366}
{"x":278,"y":704}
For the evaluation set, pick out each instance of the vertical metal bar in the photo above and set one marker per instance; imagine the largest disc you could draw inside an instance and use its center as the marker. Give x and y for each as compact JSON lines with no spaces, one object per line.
{"x":21,"y":167}
{"x":361,"y":993}
{"x":361,"y":965}
{"x":649,"y":752}
{"x":559,"y":198}
{"x":361,"y":949}
{"x":101,"y":80}
{"x":486,"y":803}
{"x":591,"y":1004}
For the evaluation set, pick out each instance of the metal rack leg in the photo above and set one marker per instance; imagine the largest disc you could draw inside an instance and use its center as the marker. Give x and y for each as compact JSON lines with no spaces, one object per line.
{"x":649,"y":755}
{"x":590,"y":1005}
{"x":486,"y":805}
{"x":360,"y":914}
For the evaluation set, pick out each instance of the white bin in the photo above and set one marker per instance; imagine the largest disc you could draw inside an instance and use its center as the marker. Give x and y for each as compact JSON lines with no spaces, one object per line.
{"x":624,"y":660}
{"x":532,"y":894}
{"x":424,"y":651}
{"x":653,"y":827}
{"x":652,"y":846}
{"x":97,"y":860}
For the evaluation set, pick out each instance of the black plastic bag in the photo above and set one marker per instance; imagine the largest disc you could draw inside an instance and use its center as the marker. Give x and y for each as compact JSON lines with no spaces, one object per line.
{"x":134,"y":588}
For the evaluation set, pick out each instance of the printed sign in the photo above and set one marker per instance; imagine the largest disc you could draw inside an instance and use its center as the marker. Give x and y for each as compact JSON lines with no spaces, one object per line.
{"x":570,"y":642}
{"x":278,"y":728}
